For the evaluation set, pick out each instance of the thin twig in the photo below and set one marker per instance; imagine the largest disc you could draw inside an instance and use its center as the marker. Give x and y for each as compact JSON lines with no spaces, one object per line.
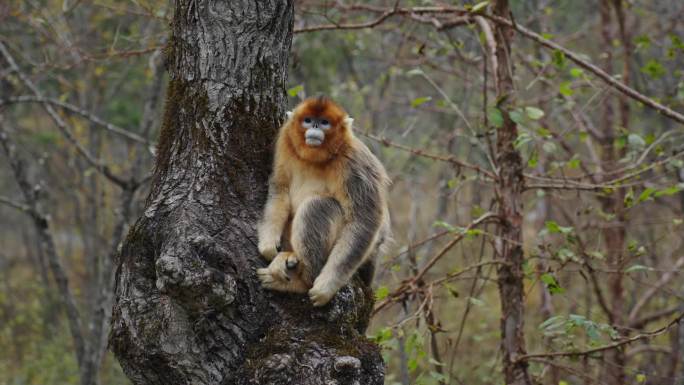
{"x":79,"y":111}
{"x":423,"y":153}
{"x":599,"y":349}
{"x":61,"y":125}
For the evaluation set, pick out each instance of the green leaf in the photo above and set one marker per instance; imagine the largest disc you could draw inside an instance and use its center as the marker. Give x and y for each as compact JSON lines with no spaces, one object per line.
{"x":381,"y":293}
{"x":558,"y":59}
{"x":517,"y":116}
{"x":384,"y":334}
{"x":654,"y":69}
{"x":415,"y":72}
{"x":534,"y":113}
{"x":549,"y":147}
{"x":574,"y":163}
{"x":479,"y":6}
{"x":670,"y":190}
{"x":635,"y":140}
{"x":543,"y":132}
{"x":534,"y":159}
{"x":294,"y":91}
{"x":477,"y":302}
{"x":576,"y":72}
{"x":565,"y":89}
{"x":522,"y":139}
{"x":565,"y":254}
{"x":642,"y":41}
{"x":629,"y":198}
{"x":452,"y":290}
{"x":552,"y":226}
{"x":635,"y":268}
{"x":640,"y":378}
{"x":596,"y":254}
{"x":445,"y":225}
{"x":438,"y":376}
{"x":495,"y":117}
{"x":646,"y":194}
{"x":418,"y":101}
{"x":551,"y":284}
{"x":552,"y":322}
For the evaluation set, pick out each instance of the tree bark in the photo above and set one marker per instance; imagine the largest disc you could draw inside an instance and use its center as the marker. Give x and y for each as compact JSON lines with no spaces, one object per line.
{"x":509,"y":189}
{"x":614,"y":233}
{"x":189,"y":308}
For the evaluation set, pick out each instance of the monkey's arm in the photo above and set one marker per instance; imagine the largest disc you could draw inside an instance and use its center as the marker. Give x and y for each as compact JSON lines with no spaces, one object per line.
{"x":275,"y":217}
{"x":356,"y":238}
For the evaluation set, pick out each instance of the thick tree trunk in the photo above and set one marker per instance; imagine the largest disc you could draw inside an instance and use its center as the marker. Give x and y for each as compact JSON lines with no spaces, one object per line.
{"x":189,"y":309}
{"x":509,"y":189}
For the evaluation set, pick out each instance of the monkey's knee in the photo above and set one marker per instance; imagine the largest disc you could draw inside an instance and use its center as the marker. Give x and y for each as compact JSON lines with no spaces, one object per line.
{"x":314,"y":230}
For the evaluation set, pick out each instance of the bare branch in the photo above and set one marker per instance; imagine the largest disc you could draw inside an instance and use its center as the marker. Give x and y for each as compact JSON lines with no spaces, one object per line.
{"x":623,"y":88}
{"x":79,"y":111}
{"x":15,"y":205}
{"x":369,"y":24}
{"x":443,"y":158}
{"x":643,"y":301}
{"x":63,"y":128}
{"x":406,"y":286}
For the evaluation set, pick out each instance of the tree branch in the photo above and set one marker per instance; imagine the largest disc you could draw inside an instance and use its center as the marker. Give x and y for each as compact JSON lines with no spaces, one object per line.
{"x":79,"y":111}
{"x":618,"y":344}
{"x":623,"y":88}
{"x":63,"y":128}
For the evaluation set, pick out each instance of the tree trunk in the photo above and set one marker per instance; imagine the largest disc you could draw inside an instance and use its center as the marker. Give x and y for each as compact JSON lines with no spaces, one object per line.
{"x":614,"y":234}
{"x":189,"y":308}
{"x":509,"y":189}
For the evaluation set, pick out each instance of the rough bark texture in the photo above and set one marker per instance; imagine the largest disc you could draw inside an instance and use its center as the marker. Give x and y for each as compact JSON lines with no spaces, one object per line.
{"x":509,"y":191}
{"x":189,"y":309}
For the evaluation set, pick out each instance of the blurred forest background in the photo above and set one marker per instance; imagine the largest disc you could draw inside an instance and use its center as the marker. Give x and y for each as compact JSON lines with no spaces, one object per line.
{"x":82,"y":86}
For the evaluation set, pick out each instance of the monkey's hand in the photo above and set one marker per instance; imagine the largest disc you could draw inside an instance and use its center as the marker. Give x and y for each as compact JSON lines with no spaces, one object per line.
{"x":268,"y":246}
{"x":324,"y":289}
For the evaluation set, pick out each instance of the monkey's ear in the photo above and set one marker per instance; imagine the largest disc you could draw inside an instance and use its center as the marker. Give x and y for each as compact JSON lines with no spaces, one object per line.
{"x":348,"y":121}
{"x":289,"y":114}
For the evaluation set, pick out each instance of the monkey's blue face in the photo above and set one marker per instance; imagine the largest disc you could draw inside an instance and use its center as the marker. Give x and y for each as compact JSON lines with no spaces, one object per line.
{"x":315,"y":127}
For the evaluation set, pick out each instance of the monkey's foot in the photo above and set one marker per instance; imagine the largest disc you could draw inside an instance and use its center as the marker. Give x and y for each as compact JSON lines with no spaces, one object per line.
{"x":324,"y":289}
{"x":283,"y":274}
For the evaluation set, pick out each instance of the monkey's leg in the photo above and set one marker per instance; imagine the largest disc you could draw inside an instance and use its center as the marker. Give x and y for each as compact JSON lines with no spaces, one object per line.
{"x":283,"y":274}
{"x":315,"y":227}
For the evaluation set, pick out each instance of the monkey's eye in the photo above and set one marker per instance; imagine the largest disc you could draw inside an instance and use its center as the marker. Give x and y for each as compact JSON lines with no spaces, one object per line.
{"x":325,"y":122}
{"x":307,"y":120}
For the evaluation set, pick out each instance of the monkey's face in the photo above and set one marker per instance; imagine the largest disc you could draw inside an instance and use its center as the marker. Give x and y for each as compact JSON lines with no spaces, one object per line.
{"x":315,"y":128}
{"x":318,"y":130}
